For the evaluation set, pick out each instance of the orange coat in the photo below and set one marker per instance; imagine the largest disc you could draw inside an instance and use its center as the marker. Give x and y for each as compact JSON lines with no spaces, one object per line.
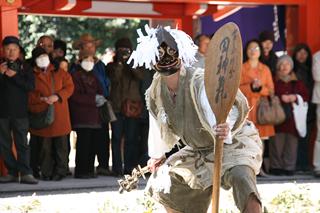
{"x":43,"y":88}
{"x":263,"y":73}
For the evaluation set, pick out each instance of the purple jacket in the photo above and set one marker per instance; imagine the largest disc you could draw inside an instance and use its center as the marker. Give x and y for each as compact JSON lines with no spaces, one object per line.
{"x":83,"y":110}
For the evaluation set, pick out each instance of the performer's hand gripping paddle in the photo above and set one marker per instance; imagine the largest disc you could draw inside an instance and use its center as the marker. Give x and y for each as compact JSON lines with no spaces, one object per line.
{"x":222,"y":78}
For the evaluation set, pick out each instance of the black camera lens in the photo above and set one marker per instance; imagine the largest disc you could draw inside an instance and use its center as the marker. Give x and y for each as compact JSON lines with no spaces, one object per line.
{"x":15,"y":66}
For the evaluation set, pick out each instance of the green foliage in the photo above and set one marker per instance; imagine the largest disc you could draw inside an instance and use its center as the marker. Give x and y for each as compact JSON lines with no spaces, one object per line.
{"x":69,"y":29}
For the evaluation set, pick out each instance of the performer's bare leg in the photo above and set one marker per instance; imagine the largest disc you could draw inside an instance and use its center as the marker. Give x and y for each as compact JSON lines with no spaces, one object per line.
{"x":169,"y":210}
{"x":253,"y":205}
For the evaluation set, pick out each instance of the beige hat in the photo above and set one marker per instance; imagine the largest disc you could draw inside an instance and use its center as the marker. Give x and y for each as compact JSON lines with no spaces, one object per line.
{"x":85,"y":38}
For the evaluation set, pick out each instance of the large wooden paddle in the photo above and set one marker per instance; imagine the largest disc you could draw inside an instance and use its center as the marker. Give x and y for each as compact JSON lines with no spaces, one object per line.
{"x":222,"y":78}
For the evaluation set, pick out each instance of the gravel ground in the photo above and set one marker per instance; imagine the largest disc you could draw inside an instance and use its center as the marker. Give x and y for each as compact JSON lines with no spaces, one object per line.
{"x":283,"y":197}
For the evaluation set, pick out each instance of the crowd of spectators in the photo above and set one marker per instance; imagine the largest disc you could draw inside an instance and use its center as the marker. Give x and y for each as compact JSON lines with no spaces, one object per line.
{"x":264,"y":74}
{"x":79,"y":90}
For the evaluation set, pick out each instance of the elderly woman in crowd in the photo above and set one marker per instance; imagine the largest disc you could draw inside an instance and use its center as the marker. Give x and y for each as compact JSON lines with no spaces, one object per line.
{"x":283,"y":150}
{"x":256,"y":82}
{"x":52,"y":87}
{"x":84,"y":103}
{"x":87,"y":46}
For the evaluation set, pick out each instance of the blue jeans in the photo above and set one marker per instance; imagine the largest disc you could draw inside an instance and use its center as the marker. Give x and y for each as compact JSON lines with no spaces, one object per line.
{"x":127,"y":128}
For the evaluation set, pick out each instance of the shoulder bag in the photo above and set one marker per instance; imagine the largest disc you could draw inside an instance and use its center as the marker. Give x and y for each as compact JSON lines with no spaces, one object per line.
{"x":270,"y":111}
{"x":45,"y":118}
{"x":130,"y":108}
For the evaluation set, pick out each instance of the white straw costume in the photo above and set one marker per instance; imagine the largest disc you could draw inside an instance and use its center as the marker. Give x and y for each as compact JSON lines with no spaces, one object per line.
{"x":184,"y":181}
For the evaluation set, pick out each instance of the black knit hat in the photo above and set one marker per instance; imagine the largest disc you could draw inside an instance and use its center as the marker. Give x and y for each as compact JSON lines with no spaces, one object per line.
{"x":11,"y":40}
{"x":36,"y":52}
{"x":123,"y":42}
{"x":266,"y":35}
{"x":59,"y":44}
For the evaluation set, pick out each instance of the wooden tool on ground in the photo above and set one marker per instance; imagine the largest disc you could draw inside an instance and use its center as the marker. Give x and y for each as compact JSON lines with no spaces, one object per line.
{"x":222,"y":78}
{"x":130,"y":182}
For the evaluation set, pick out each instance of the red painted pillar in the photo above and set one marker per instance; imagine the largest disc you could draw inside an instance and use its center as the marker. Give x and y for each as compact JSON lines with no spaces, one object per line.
{"x":292,"y":18}
{"x":309,"y":24}
{"x":9,"y":17}
{"x":309,"y":32}
{"x":185,"y":24}
{"x":8,"y":21}
{"x":189,"y":22}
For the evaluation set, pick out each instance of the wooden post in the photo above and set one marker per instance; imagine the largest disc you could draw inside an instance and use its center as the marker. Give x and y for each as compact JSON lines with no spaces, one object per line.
{"x":185,"y":24}
{"x":309,"y":24}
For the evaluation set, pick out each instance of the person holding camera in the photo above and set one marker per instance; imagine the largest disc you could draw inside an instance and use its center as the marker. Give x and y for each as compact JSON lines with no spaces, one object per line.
{"x":16,"y":80}
{"x":125,"y":83}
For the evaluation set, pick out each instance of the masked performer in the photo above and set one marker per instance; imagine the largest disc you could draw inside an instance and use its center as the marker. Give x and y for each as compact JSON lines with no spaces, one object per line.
{"x":179,"y":110}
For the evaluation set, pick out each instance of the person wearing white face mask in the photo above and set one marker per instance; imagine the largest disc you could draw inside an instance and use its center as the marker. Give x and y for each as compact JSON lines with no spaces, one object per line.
{"x":85,"y":117}
{"x":87,"y":64}
{"x":87,"y":45}
{"x":49,"y":145}
{"x":43,"y":61}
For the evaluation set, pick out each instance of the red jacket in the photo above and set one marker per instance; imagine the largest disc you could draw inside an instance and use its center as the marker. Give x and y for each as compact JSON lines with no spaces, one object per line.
{"x":285,"y":88}
{"x":43,"y":88}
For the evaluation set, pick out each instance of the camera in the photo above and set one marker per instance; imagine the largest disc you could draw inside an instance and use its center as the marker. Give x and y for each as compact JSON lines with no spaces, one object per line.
{"x":13,"y":65}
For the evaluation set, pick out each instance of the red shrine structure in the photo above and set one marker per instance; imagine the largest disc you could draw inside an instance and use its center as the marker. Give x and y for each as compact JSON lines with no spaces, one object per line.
{"x":302,"y":16}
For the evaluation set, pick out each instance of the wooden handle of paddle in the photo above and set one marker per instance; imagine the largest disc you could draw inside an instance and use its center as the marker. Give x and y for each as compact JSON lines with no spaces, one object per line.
{"x":218,"y":153}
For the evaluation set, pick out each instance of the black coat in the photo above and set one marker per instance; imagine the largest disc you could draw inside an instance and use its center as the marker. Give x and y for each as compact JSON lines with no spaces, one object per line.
{"x":271,"y":62}
{"x":14,"y":92}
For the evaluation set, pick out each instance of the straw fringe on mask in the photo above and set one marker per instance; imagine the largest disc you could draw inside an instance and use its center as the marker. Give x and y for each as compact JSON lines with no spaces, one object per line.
{"x":147,"y":53}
